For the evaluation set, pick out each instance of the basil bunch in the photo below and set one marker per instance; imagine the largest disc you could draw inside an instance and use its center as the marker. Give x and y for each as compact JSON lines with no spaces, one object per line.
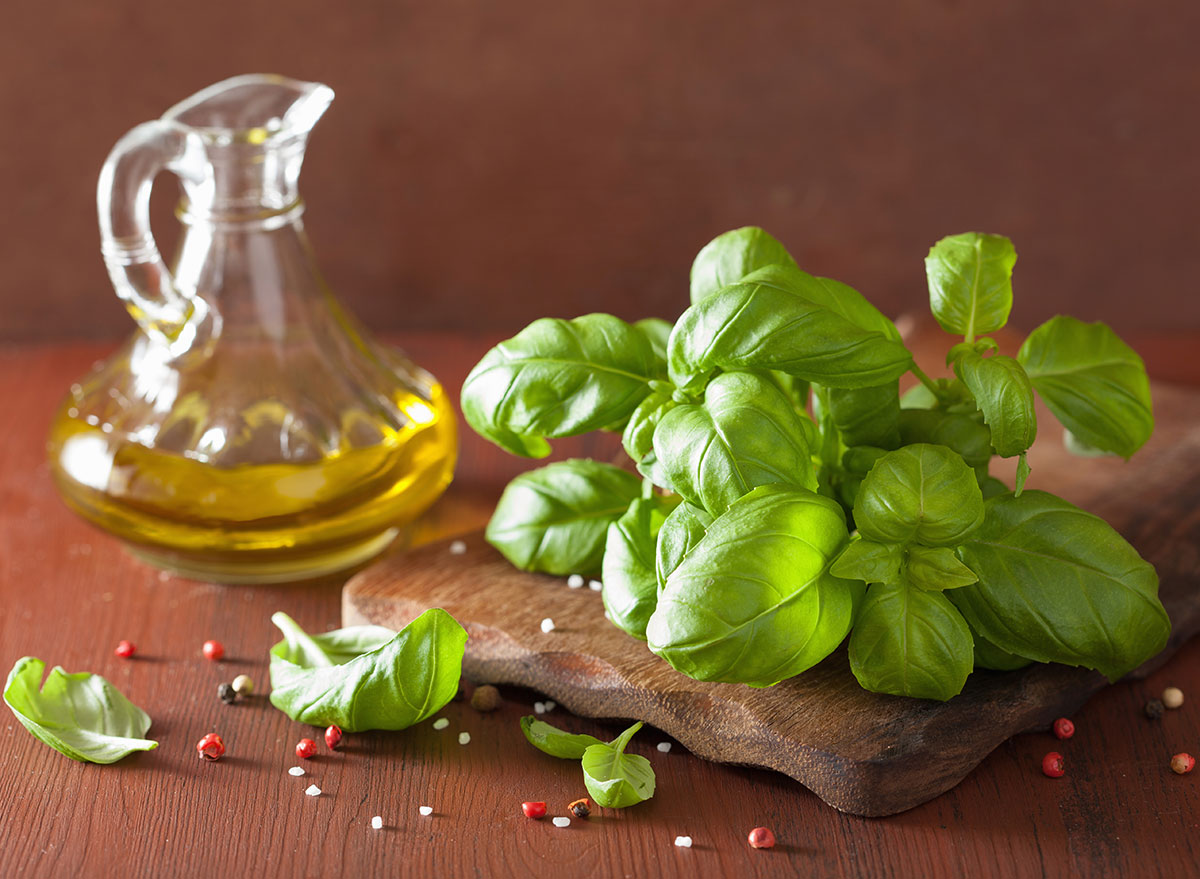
{"x":790,"y":495}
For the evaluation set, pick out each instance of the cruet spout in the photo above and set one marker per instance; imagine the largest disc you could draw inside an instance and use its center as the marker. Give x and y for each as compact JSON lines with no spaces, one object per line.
{"x":253,"y":109}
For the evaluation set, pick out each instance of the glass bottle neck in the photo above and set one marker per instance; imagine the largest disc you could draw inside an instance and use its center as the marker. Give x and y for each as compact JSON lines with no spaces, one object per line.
{"x":252,"y":183}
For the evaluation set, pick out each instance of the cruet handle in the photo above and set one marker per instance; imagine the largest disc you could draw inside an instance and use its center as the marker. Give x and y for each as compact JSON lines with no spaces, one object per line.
{"x":136,"y":268}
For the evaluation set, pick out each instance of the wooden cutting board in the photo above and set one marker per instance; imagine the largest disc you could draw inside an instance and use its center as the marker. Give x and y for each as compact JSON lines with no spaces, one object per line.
{"x":860,"y":752}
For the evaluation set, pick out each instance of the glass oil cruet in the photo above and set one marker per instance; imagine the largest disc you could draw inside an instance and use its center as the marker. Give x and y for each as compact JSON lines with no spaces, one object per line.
{"x":250,"y":430}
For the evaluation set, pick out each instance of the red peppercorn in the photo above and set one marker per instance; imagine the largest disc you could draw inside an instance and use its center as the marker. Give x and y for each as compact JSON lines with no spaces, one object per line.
{"x":305,"y":748}
{"x":213,"y":650}
{"x":534,"y":810}
{"x":1181,"y":764}
{"x":1052,"y":765}
{"x":333,"y":736}
{"x":1064,"y":728}
{"x":125,"y":649}
{"x":761,"y":837}
{"x":211,"y":747}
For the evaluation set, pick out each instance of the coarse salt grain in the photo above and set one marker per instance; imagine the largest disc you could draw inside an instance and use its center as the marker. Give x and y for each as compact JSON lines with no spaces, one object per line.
{"x":539,"y":707}
{"x":547,"y":625}
{"x":426,"y":810}
{"x":595,"y":585}
{"x":313,"y":791}
{"x":458,"y":547}
{"x":683,"y":841}
{"x":441,"y":723}
{"x":574,"y":581}
{"x":377,"y":822}
{"x":550,"y":706}
{"x":664,"y":746}
{"x":562,"y":822}
{"x":464,"y":738}
{"x":296,"y":771}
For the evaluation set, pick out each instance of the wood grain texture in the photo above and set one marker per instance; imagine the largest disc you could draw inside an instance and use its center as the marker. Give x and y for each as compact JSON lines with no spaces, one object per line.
{"x":861,"y":752}
{"x":68,"y":594}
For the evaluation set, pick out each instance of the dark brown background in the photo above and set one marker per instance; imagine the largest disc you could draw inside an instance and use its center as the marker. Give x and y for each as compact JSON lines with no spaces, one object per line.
{"x":488,"y":163}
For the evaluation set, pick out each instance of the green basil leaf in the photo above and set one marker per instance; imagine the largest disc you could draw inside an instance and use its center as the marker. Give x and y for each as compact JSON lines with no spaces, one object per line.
{"x":638,"y":437}
{"x":919,"y":494}
{"x":1057,"y":584}
{"x":961,"y":433}
{"x":754,"y":601}
{"x":1093,"y":382}
{"x":839,"y":298}
{"x":910,"y":642}
{"x":731,"y":256}
{"x":936,"y":568}
{"x":856,"y":464}
{"x":1004,"y":395}
{"x":867,"y":416}
{"x":630,"y":589}
{"x":657,"y":331}
{"x":559,"y":378}
{"x":746,"y":433}
{"x":991,"y":657}
{"x":992,"y":487}
{"x":767,"y":324}
{"x":555,"y":742}
{"x":80,"y":715}
{"x":616,"y":779}
{"x":367,"y":677}
{"x":870,"y":562}
{"x":970,"y":282}
{"x":555,"y":519}
{"x":680,"y":532}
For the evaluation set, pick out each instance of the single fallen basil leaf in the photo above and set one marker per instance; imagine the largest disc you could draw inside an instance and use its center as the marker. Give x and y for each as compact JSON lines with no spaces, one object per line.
{"x":81,"y":715}
{"x":554,"y":741}
{"x":367,"y":677}
{"x":616,"y":779}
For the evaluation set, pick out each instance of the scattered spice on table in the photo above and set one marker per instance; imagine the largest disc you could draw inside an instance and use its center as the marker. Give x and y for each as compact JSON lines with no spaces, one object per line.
{"x":125,"y":649}
{"x":664,"y":747}
{"x":549,"y":705}
{"x":1052,"y":765}
{"x":464,"y":738}
{"x":306,"y":748}
{"x":213,"y":650}
{"x":1172,"y":697}
{"x":534,"y":809}
{"x":1154,"y":709}
{"x":312,"y":790}
{"x":574,"y":581}
{"x":539,"y":707}
{"x":377,"y":822}
{"x":683,"y":841}
{"x":296,"y":771}
{"x":1064,"y":728}
{"x":547,"y":625}
{"x":560,"y":821}
{"x":441,"y":723}
{"x":595,"y":585}
{"x":243,"y":685}
{"x":425,"y":810}
{"x":486,"y":698}
{"x":333,"y":736}
{"x":226,"y":693}
{"x":761,"y":837}
{"x":580,"y":808}
{"x":211,"y":747}
{"x":458,"y":547}
{"x":1181,"y":764}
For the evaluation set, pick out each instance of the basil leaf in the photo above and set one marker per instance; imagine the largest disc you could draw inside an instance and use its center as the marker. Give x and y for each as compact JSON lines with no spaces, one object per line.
{"x":1057,"y":584}
{"x":1004,"y":395}
{"x":936,"y":568}
{"x":910,"y":642}
{"x":989,"y":656}
{"x":638,"y":437}
{"x":559,"y":378}
{"x":555,"y":519}
{"x":870,"y":562}
{"x":731,"y":256}
{"x":766,"y":324}
{"x":616,"y":779}
{"x":746,"y":433}
{"x":680,"y":532}
{"x":1093,"y":382}
{"x":839,"y":298}
{"x":657,"y":331}
{"x":367,"y":677}
{"x":80,"y":715}
{"x":919,"y":494}
{"x":630,"y":589}
{"x":867,"y":416}
{"x":961,"y":433}
{"x":970,"y":282}
{"x":555,"y":742}
{"x":991,"y":487}
{"x":754,"y":602}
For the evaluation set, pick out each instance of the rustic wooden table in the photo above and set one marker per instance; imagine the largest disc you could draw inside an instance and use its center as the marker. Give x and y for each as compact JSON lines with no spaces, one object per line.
{"x":70,"y":593}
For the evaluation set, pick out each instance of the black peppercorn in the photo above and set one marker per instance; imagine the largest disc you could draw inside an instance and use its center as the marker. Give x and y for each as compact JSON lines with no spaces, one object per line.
{"x":1154,"y":709}
{"x":226,"y":693}
{"x":579,"y":808}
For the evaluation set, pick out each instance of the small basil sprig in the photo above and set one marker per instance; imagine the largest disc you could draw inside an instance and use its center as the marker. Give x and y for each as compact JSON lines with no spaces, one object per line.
{"x":555,"y":519}
{"x":613,"y":778}
{"x":80,"y":715}
{"x":970,"y":282}
{"x":367,"y":677}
